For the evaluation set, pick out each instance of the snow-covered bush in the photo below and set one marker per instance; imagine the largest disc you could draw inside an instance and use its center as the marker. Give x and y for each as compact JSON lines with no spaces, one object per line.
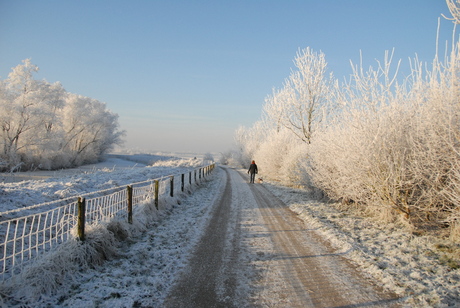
{"x":248,"y":140}
{"x":270,"y":153}
{"x":395,"y":146}
{"x":280,"y":157}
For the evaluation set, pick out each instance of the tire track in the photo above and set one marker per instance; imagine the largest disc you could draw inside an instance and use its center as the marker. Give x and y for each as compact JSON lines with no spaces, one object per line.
{"x":255,"y":252}
{"x":205,"y":283}
{"x":315,"y":275}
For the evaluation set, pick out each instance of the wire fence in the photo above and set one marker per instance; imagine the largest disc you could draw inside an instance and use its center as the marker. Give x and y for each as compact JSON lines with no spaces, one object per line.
{"x":25,"y":238}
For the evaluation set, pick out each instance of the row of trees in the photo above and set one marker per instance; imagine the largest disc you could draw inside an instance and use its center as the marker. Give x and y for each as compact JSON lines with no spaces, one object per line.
{"x":389,"y":145}
{"x":45,"y":127}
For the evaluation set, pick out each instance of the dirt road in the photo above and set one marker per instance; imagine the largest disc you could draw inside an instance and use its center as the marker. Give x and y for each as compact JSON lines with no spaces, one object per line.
{"x":257,"y":253}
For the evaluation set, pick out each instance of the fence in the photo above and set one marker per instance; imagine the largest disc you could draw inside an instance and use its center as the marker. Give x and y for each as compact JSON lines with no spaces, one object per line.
{"x":25,"y":238}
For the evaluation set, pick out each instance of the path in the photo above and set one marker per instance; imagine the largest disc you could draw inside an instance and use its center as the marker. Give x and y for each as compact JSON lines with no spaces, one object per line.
{"x":257,"y":253}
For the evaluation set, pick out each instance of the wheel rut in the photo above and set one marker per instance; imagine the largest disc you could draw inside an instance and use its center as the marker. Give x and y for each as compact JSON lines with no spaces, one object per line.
{"x":256,"y":252}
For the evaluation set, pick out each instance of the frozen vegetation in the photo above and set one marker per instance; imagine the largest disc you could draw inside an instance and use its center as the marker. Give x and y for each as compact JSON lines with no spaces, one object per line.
{"x":379,"y":141}
{"x":44,"y":127}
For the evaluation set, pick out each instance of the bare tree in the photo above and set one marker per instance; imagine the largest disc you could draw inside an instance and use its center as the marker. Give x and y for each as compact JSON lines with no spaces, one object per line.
{"x":302,"y":104}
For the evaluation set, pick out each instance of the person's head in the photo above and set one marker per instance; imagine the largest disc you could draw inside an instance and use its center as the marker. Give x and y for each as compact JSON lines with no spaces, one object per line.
{"x":253,"y":161}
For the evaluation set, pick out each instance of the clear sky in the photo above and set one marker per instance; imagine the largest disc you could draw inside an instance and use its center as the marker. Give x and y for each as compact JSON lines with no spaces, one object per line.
{"x":183,"y":75}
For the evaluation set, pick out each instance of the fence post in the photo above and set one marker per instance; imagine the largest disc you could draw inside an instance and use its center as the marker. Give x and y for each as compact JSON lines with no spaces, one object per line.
{"x":156,"y":193}
{"x":130,"y":203}
{"x":182,"y":182}
{"x":81,"y":218}
{"x":190,"y":177}
{"x":171,"y":190}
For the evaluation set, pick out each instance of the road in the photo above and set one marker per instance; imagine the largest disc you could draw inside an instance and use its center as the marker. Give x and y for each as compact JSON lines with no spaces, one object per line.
{"x":257,"y":253}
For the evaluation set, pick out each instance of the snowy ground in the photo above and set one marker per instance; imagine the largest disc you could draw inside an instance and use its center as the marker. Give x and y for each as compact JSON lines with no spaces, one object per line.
{"x":414,"y":266}
{"x":421,"y":268}
{"x":23,"y":189}
{"x":130,"y":278}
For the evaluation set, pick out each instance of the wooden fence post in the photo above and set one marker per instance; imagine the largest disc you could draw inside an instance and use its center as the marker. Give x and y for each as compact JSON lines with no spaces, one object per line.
{"x":81,"y":218}
{"x":130,"y":203}
{"x":182,"y":182}
{"x":171,"y":190}
{"x":156,"y":193}
{"x":190,"y":177}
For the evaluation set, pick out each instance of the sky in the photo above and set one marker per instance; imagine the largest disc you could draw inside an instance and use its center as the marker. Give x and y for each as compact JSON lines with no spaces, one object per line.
{"x":184,"y":75}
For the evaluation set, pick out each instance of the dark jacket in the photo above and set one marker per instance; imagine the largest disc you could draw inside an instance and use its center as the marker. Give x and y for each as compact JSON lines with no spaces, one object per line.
{"x":252,"y":168}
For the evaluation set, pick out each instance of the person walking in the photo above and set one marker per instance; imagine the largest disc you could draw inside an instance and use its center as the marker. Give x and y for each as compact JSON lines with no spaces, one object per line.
{"x":252,"y":171}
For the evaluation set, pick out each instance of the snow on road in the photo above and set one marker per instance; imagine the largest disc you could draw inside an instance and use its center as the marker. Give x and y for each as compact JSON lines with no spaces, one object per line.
{"x":266,"y":256}
{"x":257,"y":253}
{"x":313,"y":274}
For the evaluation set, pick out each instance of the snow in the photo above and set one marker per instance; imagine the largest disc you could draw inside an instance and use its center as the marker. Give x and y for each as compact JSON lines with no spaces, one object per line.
{"x":405,"y":262}
{"x":25,"y":189}
{"x":170,"y":236}
{"x":145,"y":265}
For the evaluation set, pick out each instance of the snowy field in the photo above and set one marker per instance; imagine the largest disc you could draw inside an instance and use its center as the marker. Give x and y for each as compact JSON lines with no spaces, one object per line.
{"x":414,"y":266}
{"x":22,"y":189}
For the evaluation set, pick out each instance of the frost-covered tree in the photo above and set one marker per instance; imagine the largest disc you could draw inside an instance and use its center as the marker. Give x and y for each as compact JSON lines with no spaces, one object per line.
{"x":27,"y":112}
{"x":42,"y":126}
{"x":454,"y":8}
{"x":90,"y":129}
{"x":304,"y":101}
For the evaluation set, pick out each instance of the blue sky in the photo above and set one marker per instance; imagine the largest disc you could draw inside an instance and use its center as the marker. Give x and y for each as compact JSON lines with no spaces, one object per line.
{"x":183,"y":75}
